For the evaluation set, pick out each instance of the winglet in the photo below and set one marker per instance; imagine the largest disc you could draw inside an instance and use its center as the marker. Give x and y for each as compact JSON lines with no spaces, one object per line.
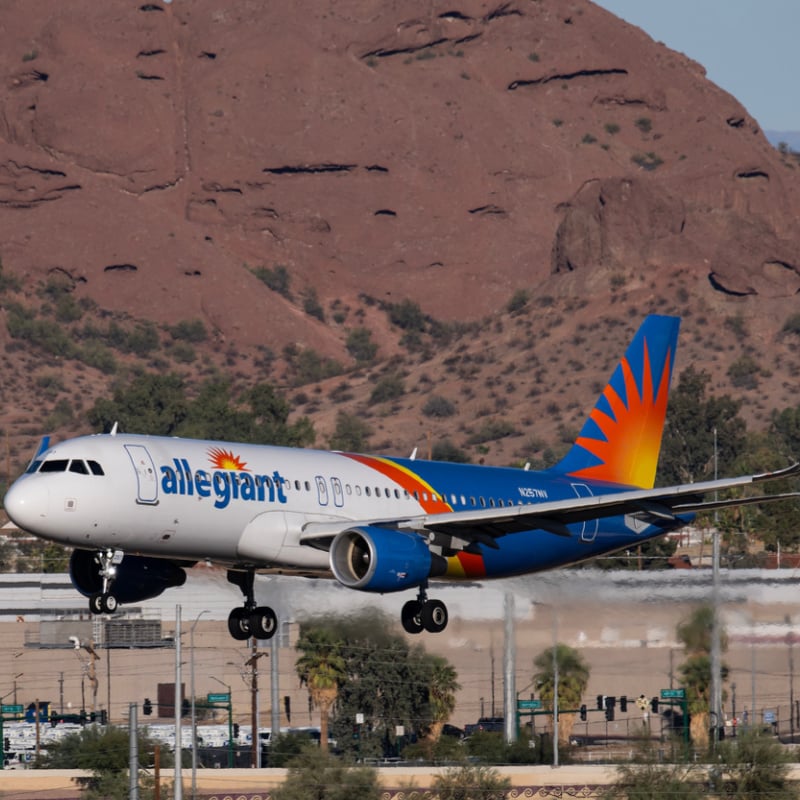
{"x":621,"y":439}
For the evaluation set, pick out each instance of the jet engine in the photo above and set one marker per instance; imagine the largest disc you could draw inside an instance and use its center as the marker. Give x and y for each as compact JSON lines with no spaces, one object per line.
{"x":382,"y":560}
{"x":138,"y":577}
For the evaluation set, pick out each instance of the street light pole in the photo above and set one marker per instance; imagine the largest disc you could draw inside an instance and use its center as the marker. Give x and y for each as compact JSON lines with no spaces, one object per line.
{"x":194,"y":715}
{"x":178,"y":699}
{"x":230,"y":719}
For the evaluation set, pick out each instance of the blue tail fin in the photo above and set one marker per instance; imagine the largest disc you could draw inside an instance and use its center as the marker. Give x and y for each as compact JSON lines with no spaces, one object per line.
{"x":621,"y":439}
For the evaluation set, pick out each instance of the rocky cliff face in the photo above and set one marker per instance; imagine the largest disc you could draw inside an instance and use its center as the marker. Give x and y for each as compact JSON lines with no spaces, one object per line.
{"x":154,"y":157}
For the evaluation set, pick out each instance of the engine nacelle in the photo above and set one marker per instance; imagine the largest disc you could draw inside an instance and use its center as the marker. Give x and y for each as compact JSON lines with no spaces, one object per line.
{"x":138,"y":577}
{"x":382,"y":560}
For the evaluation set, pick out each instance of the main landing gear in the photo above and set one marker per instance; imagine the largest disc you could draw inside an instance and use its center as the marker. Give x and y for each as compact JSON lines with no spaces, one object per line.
{"x":104,"y":602}
{"x":250,"y":620}
{"x":424,"y":614}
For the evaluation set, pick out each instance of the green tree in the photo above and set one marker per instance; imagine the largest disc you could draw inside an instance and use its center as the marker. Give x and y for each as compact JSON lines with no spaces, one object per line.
{"x":471,"y":783}
{"x":388,"y":681}
{"x":317,"y":776}
{"x":687,"y":450}
{"x":694,"y":634}
{"x":573,"y":678}
{"x":360,"y":345}
{"x":644,"y":778}
{"x":151,"y":403}
{"x":442,"y":687}
{"x":104,"y":753}
{"x":322,"y":669}
{"x":756,"y":765}
{"x":351,"y":434}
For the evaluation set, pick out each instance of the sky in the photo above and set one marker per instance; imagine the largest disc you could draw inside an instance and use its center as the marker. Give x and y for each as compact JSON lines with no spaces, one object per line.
{"x":748,"y":47}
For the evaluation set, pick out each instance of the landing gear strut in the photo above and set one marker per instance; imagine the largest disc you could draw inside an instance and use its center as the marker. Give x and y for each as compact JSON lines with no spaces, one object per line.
{"x":104,"y":602}
{"x":424,"y":614}
{"x":250,"y":620}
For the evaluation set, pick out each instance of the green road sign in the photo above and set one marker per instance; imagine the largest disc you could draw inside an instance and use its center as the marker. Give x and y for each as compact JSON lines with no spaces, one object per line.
{"x":673,"y":694}
{"x":523,"y":705}
{"x":11,"y":709}
{"x":218,"y":698}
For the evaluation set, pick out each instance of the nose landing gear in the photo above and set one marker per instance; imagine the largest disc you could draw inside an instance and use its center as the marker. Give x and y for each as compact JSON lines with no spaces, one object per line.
{"x":250,"y":619}
{"x":104,"y":602}
{"x":424,"y":614}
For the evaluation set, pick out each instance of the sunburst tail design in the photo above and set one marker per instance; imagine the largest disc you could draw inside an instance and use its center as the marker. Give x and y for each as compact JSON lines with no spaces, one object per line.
{"x":621,"y":439}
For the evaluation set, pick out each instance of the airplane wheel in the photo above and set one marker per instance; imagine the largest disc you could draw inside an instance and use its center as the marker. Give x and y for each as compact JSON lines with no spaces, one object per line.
{"x":263,"y":623}
{"x":434,"y":616}
{"x":108,"y":603}
{"x":96,"y":603}
{"x":239,"y":624}
{"x":410,"y":617}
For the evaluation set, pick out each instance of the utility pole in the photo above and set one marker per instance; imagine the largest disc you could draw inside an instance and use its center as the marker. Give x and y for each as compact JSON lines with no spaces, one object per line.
{"x":509,"y":673}
{"x":252,"y":662}
{"x":716,"y":648}
{"x":178,"y":700}
{"x":133,"y":752}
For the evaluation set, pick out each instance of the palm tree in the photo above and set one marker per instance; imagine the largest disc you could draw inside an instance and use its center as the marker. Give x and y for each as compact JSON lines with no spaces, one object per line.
{"x":321,"y":668}
{"x":441,"y":695}
{"x":695,"y":635}
{"x":573,"y":678}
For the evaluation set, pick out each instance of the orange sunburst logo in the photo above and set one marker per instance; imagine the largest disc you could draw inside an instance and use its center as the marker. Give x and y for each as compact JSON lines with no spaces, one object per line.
{"x":628,"y":454}
{"x":225,"y":459}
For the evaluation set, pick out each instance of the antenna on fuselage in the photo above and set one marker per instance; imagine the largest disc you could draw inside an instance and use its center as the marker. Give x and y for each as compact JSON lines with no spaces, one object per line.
{"x":527,"y":466}
{"x":113,"y":431}
{"x":414,"y":454}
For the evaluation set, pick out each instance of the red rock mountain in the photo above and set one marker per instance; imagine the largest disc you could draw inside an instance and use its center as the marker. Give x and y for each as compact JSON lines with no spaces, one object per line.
{"x":475,"y":158}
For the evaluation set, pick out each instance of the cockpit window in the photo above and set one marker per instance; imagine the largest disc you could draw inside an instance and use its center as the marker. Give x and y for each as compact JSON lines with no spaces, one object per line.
{"x":76,"y":465}
{"x":55,"y":465}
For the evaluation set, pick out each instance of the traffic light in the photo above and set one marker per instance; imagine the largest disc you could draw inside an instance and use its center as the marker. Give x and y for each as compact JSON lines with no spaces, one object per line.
{"x":583,"y":713}
{"x":103,"y":717}
{"x":611,"y":702}
{"x":600,"y":702}
{"x":147,"y":707}
{"x":7,"y":745}
{"x":235,"y":730}
{"x":623,"y":704}
{"x":654,"y":705}
{"x":186,"y":707}
{"x":287,"y":707}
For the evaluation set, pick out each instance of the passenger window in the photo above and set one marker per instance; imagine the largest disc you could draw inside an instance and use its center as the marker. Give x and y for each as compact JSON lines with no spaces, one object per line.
{"x":55,"y":465}
{"x":483,"y":502}
{"x":358,"y":491}
{"x":367,"y":491}
{"x":78,"y":466}
{"x":387,"y":492}
{"x":297,"y":485}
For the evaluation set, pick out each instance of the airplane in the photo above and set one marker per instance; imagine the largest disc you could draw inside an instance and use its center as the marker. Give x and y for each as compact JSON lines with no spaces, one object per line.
{"x":139,"y":510}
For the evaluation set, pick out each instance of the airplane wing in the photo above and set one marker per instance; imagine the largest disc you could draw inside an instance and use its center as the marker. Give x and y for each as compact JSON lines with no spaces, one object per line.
{"x":487,"y":524}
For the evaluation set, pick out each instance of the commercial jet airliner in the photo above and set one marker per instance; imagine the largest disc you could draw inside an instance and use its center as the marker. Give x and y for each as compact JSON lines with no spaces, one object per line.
{"x":139,"y":510}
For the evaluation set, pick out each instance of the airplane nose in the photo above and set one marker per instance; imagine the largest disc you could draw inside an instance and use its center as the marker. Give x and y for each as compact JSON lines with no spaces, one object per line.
{"x":26,"y":504}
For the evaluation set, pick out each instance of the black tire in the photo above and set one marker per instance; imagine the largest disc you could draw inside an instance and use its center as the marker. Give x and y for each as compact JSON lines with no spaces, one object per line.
{"x":239,"y":624}
{"x":96,"y":603}
{"x":410,"y":617}
{"x":434,"y":616}
{"x":263,"y":623}
{"x":109,"y":603}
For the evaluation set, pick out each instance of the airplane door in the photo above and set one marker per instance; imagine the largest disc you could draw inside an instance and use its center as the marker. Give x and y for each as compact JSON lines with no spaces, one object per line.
{"x":322,"y":491}
{"x":589,"y":529}
{"x":146,"y":477}
{"x":338,"y":494}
